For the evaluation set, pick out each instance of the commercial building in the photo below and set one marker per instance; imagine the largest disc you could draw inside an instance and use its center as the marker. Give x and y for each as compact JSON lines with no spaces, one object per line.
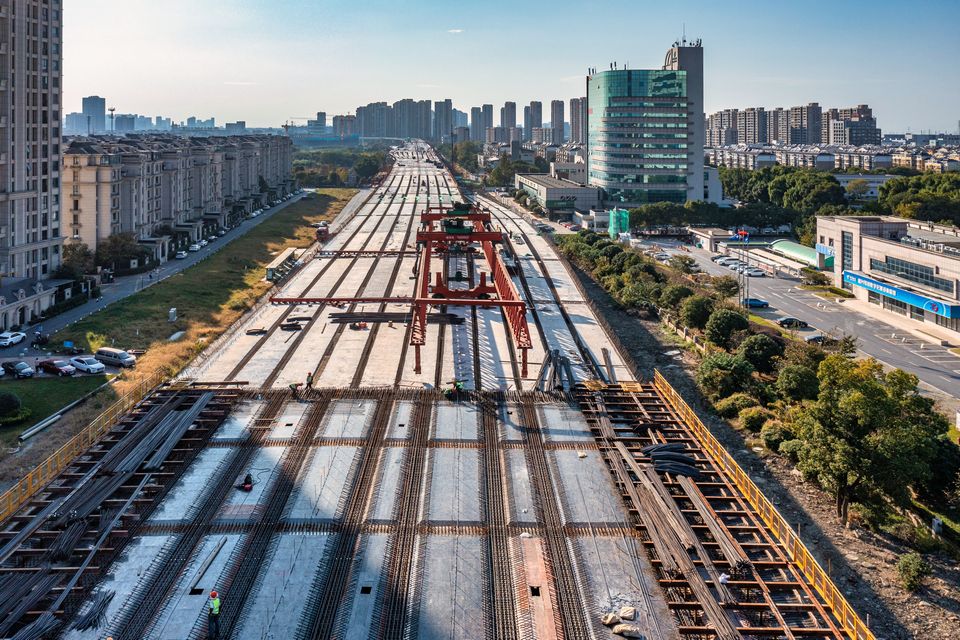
{"x":646,"y":130}
{"x":30,"y":138}
{"x":556,"y":194}
{"x":95,"y":114}
{"x":157,"y":187}
{"x":898,"y":266}
{"x":557,"y":120}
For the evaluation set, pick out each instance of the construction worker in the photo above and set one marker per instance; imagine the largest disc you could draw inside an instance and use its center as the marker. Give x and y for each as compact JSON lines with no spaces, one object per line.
{"x":309,"y":379}
{"x":213,"y":616}
{"x":295,"y":390}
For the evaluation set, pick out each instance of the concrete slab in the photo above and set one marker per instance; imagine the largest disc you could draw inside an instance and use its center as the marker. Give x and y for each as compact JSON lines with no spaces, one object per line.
{"x":236,"y":425}
{"x":456,"y":421}
{"x":388,"y":484}
{"x":563,"y":424}
{"x":186,"y":495}
{"x":451,"y":597}
{"x":584,"y":488}
{"x":519,"y":488}
{"x":275,"y":608}
{"x":508,"y":419}
{"x":287,"y":422}
{"x":454,"y":496}
{"x":365,"y":587}
{"x":319,"y":493}
{"x":401,"y":422}
{"x":130,"y":571}
{"x":348,"y":419}
{"x":241,"y":506}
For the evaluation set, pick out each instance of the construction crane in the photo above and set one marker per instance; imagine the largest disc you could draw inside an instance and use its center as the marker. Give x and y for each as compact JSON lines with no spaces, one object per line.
{"x":292,"y":123}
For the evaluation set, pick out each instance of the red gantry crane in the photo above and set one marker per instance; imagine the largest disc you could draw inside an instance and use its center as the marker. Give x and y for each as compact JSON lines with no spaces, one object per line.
{"x":444,"y":231}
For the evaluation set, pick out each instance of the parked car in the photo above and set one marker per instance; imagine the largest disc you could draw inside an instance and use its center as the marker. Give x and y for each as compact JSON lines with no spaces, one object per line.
{"x":10,"y":338}
{"x":57,"y":367}
{"x":180,"y":255}
{"x":755,"y":303}
{"x":18,"y":369}
{"x":818,"y":338}
{"x":575,"y":227}
{"x":115,"y":357}
{"x":755,"y":273}
{"x":87,"y":364}
{"x":790,"y":322}
{"x":204,"y":243}
{"x":194,"y":247}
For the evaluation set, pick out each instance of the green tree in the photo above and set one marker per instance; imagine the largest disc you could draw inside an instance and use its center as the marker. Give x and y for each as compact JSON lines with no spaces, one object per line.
{"x":366,"y":167}
{"x":695,"y":311}
{"x":725,"y":286}
{"x":857,"y":189}
{"x":118,"y":250}
{"x":761,"y":351}
{"x":912,"y":569}
{"x":76,"y":261}
{"x":797,"y":382}
{"x":723,"y":374}
{"x":9,"y":404}
{"x":674,"y":295}
{"x":869,"y":432}
{"x":683,"y":264}
{"x":721,"y":326}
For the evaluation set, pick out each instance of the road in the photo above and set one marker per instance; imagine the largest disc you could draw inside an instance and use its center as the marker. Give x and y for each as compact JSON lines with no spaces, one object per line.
{"x":933,"y":364}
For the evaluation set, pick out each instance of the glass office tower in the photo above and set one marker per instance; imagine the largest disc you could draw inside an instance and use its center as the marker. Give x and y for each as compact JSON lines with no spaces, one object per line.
{"x":640,"y":135}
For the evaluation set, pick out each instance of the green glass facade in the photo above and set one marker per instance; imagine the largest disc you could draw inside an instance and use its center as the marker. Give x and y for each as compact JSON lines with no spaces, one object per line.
{"x":639,"y":132}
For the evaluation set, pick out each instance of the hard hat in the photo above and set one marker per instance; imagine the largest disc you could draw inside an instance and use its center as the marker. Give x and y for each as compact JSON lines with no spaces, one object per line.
{"x":213,"y":594}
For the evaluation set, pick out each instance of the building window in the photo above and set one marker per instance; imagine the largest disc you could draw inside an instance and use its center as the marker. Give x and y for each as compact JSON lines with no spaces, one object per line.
{"x":895,"y":305}
{"x":949,"y":323}
{"x":913,"y":272}
{"x":916,"y":313}
{"x":874,"y":298}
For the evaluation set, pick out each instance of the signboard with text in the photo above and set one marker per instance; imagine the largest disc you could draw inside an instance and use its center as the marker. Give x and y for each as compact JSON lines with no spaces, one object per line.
{"x":937,"y":307}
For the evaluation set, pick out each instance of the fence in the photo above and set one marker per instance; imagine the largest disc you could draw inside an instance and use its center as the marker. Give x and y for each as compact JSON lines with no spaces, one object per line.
{"x":849,"y":621}
{"x":14,"y":497}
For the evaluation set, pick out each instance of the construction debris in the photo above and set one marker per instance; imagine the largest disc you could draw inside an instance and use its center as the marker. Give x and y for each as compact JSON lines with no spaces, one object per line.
{"x":628,"y":631}
{"x":610,"y":619}
{"x":628,"y":613}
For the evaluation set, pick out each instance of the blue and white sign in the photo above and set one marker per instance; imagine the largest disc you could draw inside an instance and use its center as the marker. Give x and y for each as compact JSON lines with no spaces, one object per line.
{"x":825,"y":250}
{"x":937,"y":307}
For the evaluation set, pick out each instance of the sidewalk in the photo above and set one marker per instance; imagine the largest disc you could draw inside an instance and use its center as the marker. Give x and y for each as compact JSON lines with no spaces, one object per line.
{"x":125,"y":286}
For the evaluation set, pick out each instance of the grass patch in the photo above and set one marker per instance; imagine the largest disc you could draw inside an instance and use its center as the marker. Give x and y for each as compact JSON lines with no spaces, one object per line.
{"x":827,"y":292}
{"x":44,"y":397}
{"x":209,"y":296}
{"x":767,"y":323}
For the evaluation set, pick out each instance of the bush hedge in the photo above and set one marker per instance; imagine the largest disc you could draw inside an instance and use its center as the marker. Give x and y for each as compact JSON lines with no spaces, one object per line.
{"x":731,"y":406}
{"x":753,"y":418}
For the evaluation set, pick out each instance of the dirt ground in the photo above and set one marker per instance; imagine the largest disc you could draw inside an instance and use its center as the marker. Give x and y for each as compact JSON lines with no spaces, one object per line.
{"x":861,"y":563}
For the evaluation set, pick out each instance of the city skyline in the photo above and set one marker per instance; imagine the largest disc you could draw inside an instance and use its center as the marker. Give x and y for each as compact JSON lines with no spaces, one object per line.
{"x":227,"y":65}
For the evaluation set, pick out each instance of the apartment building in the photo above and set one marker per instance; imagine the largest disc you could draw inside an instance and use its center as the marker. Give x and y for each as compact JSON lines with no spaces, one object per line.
{"x":162,"y":187}
{"x":30,"y":136}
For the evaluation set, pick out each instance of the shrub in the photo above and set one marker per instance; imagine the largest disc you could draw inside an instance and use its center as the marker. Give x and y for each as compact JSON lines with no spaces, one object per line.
{"x":790,"y":449}
{"x":797,"y":382}
{"x":695,"y":311}
{"x":9,"y":403}
{"x":731,"y":406}
{"x":774,"y":434}
{"x":761,"y":351}
{"x":723,"y":374}
{"x":721,"y":326}
{"x":912,"y":569}
{"x":674,"y":295}
{"x":753,"y":418}
{"x":16,"y":417}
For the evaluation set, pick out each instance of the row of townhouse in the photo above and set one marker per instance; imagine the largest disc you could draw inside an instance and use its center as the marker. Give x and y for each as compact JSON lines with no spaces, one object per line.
{"x":165,"y":189}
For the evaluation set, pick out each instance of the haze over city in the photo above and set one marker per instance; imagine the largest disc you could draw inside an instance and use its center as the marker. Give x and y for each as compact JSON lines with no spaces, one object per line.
{"x":265,"y":61}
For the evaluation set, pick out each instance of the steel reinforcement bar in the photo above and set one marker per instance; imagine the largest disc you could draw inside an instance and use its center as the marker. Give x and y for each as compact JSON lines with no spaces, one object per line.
{"x":848,"y":619}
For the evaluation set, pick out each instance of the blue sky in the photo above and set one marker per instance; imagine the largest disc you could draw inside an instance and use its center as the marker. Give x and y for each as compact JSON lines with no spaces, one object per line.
{"x":269,"y":60}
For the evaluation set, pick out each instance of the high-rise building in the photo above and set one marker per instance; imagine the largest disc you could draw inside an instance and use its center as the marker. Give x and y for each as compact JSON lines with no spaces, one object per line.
{"x":496,"y":135}
{"x":655,"y":151}
{"x":557,"y":120}
{"x":95,"y":111}
{"x":806,"y":124}
{"x":578,"y":120}
{"x":30,"y":143}
{"x":344,"y":126}
{"x":442,"y":119}
{"x":752,"y":125}
{"x":508,"y":115}
{"x":536,"y":114}
{"x":487,"y":117}
{"x":459,"y":118}
{"x":526,"y":122}
{"x":476,"y":124}
{"x":75,"y":124}
{"x":375,"y":120}
{"x":778,"y":125}
{"x":854,"y":125}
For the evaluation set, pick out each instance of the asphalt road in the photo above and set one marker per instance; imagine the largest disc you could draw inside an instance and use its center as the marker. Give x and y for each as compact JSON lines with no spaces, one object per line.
{"x":933,"y":364}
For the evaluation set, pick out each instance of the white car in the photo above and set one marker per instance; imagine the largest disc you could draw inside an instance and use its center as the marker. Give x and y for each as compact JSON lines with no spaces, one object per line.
{"x":204,"y":243}
{"x":87,"y":364}
{"x":194,"y":247}
{"x":755,"y":273}
{"x":8,"y":338}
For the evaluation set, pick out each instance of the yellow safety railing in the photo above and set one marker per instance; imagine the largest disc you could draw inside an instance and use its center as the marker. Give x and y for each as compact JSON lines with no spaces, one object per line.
{"x":848,"y":619}
{"x":14,"y":497}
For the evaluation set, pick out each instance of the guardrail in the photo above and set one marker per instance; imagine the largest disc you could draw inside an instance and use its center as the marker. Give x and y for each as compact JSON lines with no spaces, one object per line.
{"x":14,"y":497}
{"x":796,"y":550}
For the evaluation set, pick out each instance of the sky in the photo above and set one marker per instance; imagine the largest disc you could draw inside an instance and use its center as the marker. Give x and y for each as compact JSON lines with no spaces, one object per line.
{"x":270,"y":61}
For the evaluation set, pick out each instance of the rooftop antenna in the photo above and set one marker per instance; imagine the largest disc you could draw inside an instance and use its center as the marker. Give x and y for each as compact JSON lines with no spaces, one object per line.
{"x":684,"y":34}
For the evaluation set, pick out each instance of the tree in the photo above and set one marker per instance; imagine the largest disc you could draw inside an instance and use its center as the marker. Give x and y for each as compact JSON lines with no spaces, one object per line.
{"x":761,"y":351}
{"x":695,"y":311}
{"x":119,"y":249}
{"x":366,"y":167}
{"x":857,"y":189}
{"x":725,"y":286}
{"x":797,"y":382}
{"x":683,"y":264}
{"x":869,"y":433}
{"x":674,"y":295}
{"x":264,"y":187}
{"x":721,"y":326}
{"x":77,"y":260}
{"x":9,"y":404}
{"x":723,"y":374}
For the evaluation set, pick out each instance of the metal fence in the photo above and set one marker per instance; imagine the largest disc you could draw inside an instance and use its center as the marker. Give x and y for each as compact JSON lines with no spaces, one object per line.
{"x":799,"y":554}
{"x":14,"y":497}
